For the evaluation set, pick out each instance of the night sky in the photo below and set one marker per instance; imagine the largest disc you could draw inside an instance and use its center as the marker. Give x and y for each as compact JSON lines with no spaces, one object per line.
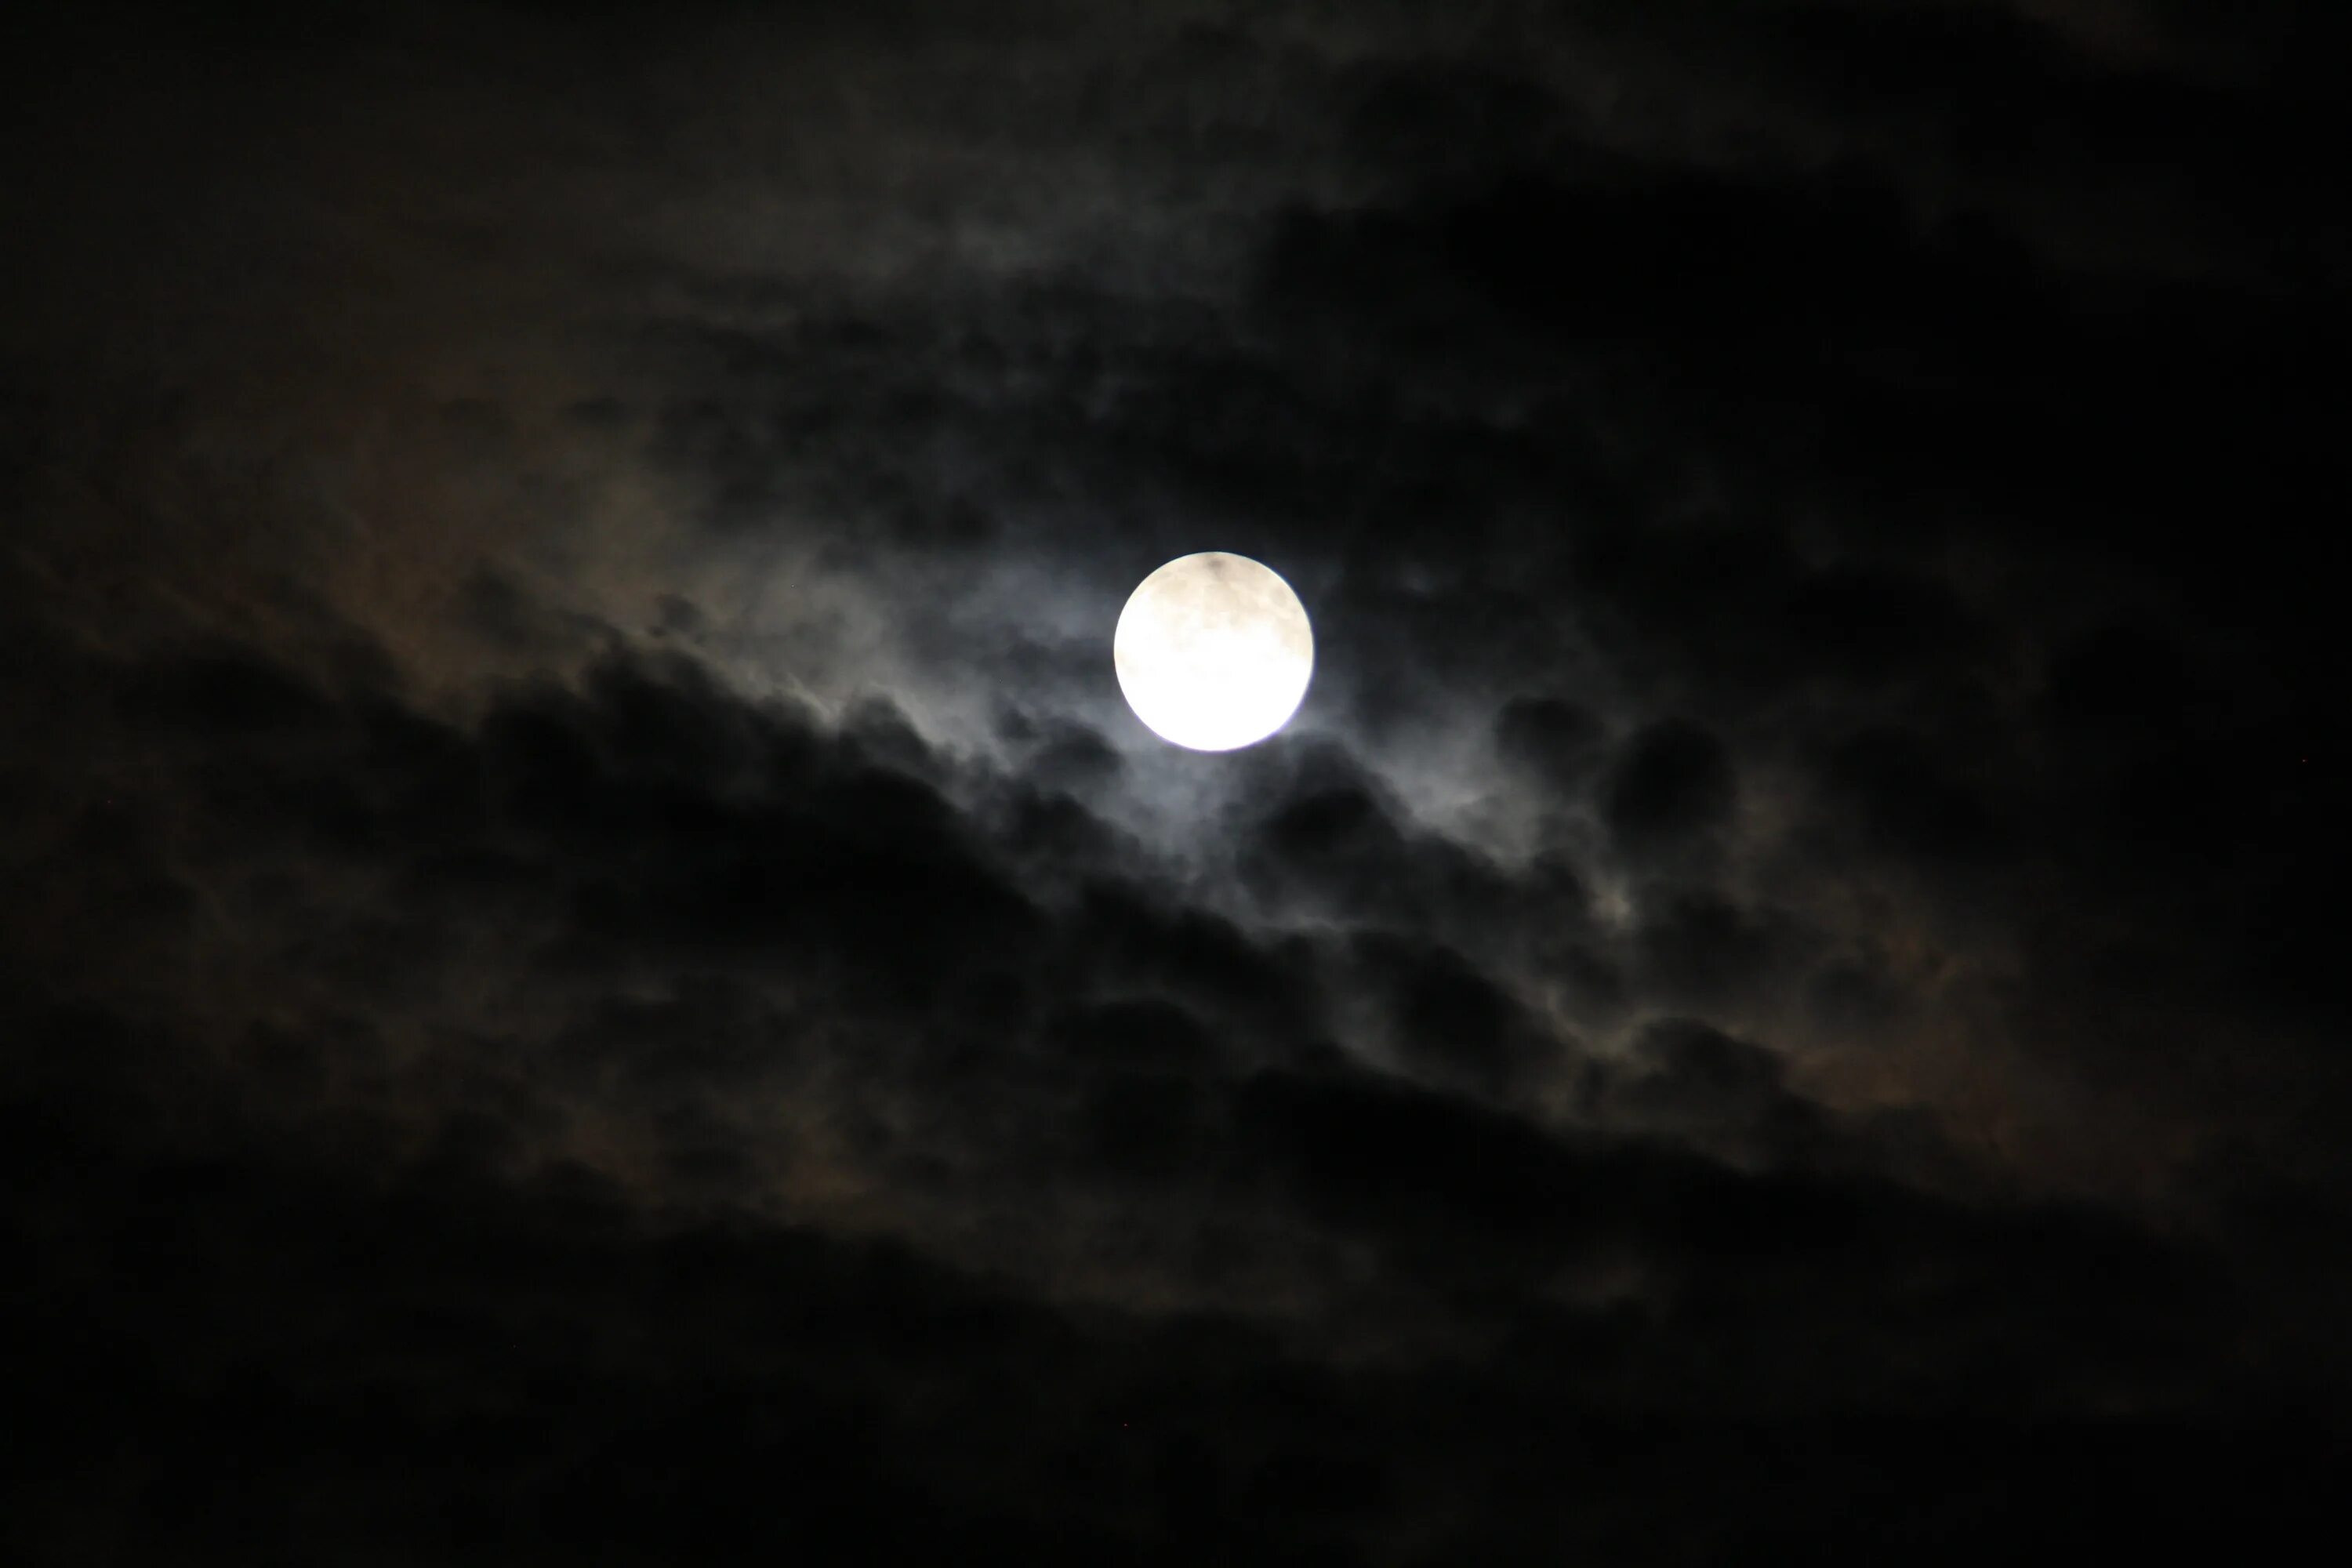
{"x":593,"y":969}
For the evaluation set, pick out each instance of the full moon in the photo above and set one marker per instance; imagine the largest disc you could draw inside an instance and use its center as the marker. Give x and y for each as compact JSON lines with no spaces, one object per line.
{"x":1214,"y":651}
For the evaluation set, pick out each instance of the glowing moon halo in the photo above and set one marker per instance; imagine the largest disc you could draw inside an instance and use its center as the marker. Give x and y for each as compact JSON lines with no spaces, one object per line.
{"x":1214,"y":651}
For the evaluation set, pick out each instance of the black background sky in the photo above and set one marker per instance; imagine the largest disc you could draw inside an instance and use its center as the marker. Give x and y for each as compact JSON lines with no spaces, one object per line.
{"x":595,"y":972}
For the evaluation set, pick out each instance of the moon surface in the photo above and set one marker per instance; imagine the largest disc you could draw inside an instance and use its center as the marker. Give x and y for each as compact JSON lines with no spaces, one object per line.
{"x":1214,"y":651}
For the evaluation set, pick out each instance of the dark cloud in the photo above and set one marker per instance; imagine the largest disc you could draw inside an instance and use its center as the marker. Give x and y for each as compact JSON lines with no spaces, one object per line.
{"x":594,"y":966}
{"x":1558,"y":740}
{"x":1674,"y":780}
